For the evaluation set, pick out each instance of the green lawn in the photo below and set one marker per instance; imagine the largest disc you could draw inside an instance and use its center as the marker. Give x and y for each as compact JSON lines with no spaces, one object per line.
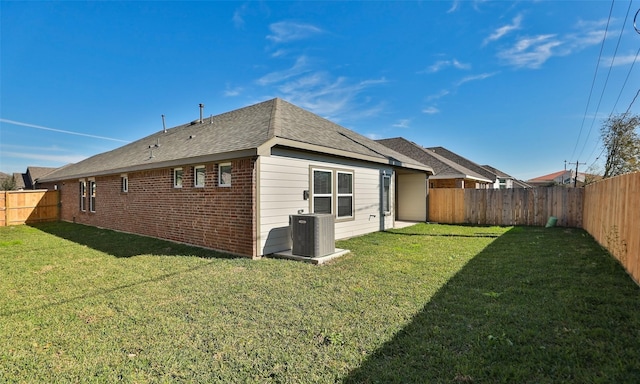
{"x":428,"y":303}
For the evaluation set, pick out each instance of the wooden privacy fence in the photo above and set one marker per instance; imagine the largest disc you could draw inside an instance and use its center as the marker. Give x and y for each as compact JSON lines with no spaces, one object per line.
{"x":517,"y":206}
{"x":20,"y":207}
{"x":612,"y":217}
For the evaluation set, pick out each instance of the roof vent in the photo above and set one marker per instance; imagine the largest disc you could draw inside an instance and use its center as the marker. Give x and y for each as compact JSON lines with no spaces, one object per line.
{"x":201,"y":111}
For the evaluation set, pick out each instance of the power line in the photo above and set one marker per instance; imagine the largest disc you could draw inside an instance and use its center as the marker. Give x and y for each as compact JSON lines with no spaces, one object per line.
{"x":615,"y":52}
{"x":594,"y":79}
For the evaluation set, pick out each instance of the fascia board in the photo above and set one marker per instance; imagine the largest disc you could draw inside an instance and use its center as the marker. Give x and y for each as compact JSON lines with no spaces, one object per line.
{"x":265,"y":150}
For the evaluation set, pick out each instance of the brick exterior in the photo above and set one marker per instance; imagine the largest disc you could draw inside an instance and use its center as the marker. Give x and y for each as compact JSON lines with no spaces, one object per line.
{"x":221,"y":218}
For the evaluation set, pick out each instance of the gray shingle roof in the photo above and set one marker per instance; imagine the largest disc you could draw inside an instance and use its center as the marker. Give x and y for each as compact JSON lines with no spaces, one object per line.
{"x":443,"y":167}
{"x":243,"y":132}
{"x":442,"y":151}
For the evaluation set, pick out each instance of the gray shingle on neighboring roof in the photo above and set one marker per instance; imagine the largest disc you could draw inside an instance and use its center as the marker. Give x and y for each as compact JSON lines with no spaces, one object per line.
{"x":442,"y":166}
{"x":497,"y":172}
{"x":238,"y":133}
{"x":442,"y":151}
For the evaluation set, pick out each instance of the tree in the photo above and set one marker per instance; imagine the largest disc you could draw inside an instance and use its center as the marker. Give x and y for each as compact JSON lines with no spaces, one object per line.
{"x":8,"y":184}
{"x":622,"y":144}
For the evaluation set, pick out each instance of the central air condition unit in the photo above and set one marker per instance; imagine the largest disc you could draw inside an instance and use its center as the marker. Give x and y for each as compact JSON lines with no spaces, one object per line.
{"x":313,"y":234}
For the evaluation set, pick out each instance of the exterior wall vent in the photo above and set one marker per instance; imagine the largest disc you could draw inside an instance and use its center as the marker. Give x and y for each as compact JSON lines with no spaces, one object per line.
{"x":313,"y":235}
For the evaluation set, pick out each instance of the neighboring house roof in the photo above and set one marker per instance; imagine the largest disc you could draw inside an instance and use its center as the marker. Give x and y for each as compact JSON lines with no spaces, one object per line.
{"x":497,"y":172}
{"x":443,"y":167}
{"x":442,"y":151}
{"x":561,"y":177}
{"x":521,"y":184}
{"x":247,"y":131}
{"x":35,"y":173}
{"x":502,"y":175}
{"x":21,"y":180}
{"x":556,"y":176}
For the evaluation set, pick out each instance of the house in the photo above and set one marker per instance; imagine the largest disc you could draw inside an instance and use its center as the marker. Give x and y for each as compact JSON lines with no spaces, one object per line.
{"x":34,"y":174}
{"x":230,"y":182}
{"x":29,"y":179}
{"x":505,"y":181}
{"x":500,"y":180}
{"x":566,"y":178}
{"x":448,"y":174}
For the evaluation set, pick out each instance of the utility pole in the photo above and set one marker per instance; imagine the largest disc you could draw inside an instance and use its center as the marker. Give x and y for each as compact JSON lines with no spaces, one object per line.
{"x":575,"y":179}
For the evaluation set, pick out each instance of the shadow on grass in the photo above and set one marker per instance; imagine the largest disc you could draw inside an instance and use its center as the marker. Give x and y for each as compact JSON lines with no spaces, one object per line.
{"x":536,"y":305}
{"x":119,"y":244}
{"x":101,"y":292}
{"x":479,"y":234}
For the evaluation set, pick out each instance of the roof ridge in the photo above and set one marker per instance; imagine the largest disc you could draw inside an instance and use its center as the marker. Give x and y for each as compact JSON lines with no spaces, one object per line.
{"x":275,"y":126}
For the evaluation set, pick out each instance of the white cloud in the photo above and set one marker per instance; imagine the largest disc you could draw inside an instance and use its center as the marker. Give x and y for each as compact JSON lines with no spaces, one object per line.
{"x":620,"y":60}
{"x":232,"y":91}
{"x":454,"y":6}
{"x":62,"y":159}
{"x":438,"y":95}
{"x":238,"y":16}
{"x":286,"y":31}
{"x":443,"y":64}
{"x":402,"y":123}
{"x":298,"y":68}
{"x":12,"y":122}
{"x":431,"y":110}
{"x":531,"y":52}
{"x":481,"y":76}
{"x":502,"y":31}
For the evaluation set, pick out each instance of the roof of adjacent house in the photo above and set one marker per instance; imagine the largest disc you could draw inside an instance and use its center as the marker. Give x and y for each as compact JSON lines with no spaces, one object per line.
{"x":36,"y":173}
{"x":497,"y":172}
{"x":247,"y":131}
{"x":552,"y":176}
{"x":21,"y":180}
{"x":443,"y":167}
{"x":442,"y":151}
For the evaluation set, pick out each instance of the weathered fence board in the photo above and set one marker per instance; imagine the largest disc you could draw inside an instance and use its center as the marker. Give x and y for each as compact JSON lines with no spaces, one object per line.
{"x":612,"y":217}
{"x":516,"y":206}
{"x":20,"y":207}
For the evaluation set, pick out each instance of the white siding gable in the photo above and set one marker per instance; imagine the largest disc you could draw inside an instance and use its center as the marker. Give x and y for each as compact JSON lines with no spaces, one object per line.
{"x":283,"y":178}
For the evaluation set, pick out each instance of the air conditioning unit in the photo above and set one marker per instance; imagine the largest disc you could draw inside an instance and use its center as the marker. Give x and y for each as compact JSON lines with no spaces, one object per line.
{"x":313,"y":234}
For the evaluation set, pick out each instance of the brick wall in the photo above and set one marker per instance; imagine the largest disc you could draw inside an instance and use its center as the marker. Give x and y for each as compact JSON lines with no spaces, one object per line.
{"x":222,"y":218}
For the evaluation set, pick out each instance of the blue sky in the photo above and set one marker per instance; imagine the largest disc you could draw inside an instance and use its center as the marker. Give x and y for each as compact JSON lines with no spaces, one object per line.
{"x":521,"y":86}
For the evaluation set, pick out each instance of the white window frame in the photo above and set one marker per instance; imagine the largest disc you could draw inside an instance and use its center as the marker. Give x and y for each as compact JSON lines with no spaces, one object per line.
{"x":343,"y":194}
{"x":176,"y":172}
{"x":221,"y":181}
{"x":92,"y":195}
{"x":83,"y":195}
{"x":314,"y":195}
{"x":196,"y":170}
{"x":386,"y":195}
{"x":124,"y":183}
{"x":334,"y":193}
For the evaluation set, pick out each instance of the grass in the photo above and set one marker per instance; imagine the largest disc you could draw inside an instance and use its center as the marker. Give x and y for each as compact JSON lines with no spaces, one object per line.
{"x":428,"y":303}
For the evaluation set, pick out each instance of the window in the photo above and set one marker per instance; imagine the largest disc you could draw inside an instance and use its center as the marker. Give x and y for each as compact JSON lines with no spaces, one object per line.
{"x":322,"y":191}
{"x":386,"y":194}
{"x":345,"y":194}
{"x":177,"y":178}
{"x":198,"y":176}
{"x":83,"y":195}
{"x":224,"y":175}
{"x":92,"y":195}
{"x":332,"y":192}
{"x":124,"y":182}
